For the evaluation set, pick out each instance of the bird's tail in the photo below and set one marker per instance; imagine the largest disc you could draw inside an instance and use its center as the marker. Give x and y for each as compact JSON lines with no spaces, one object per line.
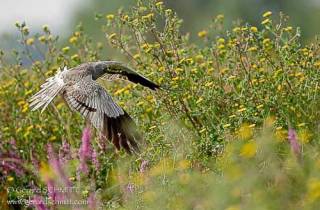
{"x":122,"y":132}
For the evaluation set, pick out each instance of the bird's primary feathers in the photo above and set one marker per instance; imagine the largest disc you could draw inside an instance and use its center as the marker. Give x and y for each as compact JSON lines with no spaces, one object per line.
{"x":82,"y":93}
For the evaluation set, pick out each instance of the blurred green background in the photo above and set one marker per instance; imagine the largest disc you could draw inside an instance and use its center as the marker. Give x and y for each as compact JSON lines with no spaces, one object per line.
{"x":63,"y":16}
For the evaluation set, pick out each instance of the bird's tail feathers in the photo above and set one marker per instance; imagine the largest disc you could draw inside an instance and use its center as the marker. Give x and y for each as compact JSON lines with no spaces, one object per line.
{"x":122,"y":132}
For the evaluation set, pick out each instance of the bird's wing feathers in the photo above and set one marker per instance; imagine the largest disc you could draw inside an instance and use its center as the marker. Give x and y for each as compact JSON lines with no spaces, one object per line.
{"x":49,"y":90}
{"x":95,"y":104}
{"x":87,"y":96}
{"x":116,"y":70}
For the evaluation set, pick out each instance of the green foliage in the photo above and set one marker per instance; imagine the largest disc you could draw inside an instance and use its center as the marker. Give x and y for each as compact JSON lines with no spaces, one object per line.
{"x":202,"y":130}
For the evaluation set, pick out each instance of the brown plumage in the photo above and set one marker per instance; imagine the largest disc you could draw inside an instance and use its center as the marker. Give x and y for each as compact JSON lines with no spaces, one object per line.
{"x":83,"y":94}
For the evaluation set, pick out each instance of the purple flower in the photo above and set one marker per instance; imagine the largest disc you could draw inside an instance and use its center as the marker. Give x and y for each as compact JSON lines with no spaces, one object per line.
{"x":56,"y":165}
{"x":130,"y":188}
{"x":64,"y":152}
{"x":52,"y":194}
{"x":92,"y":201}
{"x":143,"y":166}
{"x":292,"y":137}
{"x":85,"y":152}
{"x":10,"y":160}
{"x":38,"y":203}
{"x":85,"y":149}
{"x":95,"y":160}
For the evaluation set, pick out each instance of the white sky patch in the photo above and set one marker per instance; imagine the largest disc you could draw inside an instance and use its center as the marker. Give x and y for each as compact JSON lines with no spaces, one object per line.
{"x":55,"y":13}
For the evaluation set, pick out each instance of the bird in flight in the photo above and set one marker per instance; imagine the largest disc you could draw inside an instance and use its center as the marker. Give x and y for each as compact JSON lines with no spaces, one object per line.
{"x":79,"y":88}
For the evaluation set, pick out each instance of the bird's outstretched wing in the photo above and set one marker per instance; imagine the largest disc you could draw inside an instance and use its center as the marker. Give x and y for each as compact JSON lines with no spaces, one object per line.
{"x":114,"y":69}
{"x":49,"y":90}
{"x":95,"y":104}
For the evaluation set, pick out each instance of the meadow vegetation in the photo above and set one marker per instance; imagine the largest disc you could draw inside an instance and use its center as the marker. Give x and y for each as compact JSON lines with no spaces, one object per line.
{"x":235,"y":126}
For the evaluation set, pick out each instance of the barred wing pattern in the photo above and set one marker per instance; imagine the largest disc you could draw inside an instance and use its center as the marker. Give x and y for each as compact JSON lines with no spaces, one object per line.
{"x":115,"y":70}
{"x":95,"y":104}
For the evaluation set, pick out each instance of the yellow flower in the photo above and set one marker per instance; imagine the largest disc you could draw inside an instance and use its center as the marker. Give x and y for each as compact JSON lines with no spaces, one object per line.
{"x":249,"y":150}
{"x":175,"y":78}
{"x":251,"y":49}
{"x":137,"y":56}
{"x":199,"y":100}
{"x":266,"y":41}
{"x":42,"y":38}
{"x":244,"y":29}
{"x":160,"y":80}
{"x":236,"y":29}
{"x":168,"y":11}
{"x":25,"y":30}
{"x":202,"y":34}
{"x":226,"y":125}
{"x":245,"y":132}
{"x":184,"y":164}
{"x":148,"y":16}
{"x":30,"y":128}
{"x":77,"y":33}
{"x":110,"y":17}
{"x":281,"y":135}
{"x":317,"y":64}
{"x":254,"y":29}
{"x":288,"y":29}
{"x":52,"y":138}
{"x":25,"y":109}
{"x":208,"y":84}
{"x":21,"y":103}
{"x":28,"y":92}
{"x":118,"y":92}
{"x":304,"y":136}
{"x":160,"y":3}
{"x":252,"y":125}
{"x":73,"y":39}
{"x":221,"y":46}
{"x":267,"y":14}
{"x":199,"y":58}
{"x":65,"y":49}
{"x":313,"y":193}
{"x":10,"y":178}
{"x":242,"y":110}
{"x":46,"y":172}
{"x":75,"y":57}
{"x":220,"y":17}
{"x":260,"y":106}
{"x":45,"y":28}
{"x":152,"y":127}
{"x":112,"y":36}
{"x":30,"y":41}
{"x":221,"y":40}
{"x":266,"y":21}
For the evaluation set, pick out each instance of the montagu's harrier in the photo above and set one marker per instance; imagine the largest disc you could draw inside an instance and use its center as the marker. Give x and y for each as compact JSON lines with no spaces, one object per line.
{"x":82,"y":93}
